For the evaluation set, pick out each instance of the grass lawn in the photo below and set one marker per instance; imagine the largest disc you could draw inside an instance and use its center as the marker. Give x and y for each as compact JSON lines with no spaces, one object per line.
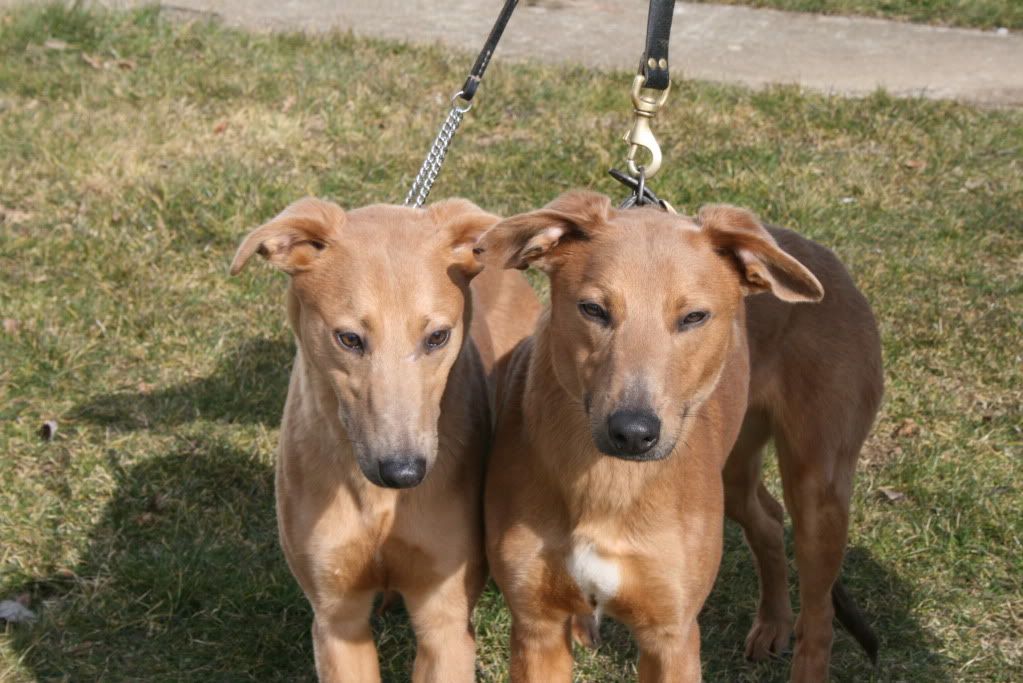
{"x":968,"y":13}
{"x":134,"y":155}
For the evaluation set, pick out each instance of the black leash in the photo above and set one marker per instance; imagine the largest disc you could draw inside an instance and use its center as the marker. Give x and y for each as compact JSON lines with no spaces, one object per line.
{"x":654,"y":65}
{"x":461,"y":102}
{"x":483,"y":60}
{"x":650,"y":90}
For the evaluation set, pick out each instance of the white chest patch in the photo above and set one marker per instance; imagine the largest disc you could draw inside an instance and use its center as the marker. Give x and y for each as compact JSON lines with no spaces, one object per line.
{"x":598,"y":578}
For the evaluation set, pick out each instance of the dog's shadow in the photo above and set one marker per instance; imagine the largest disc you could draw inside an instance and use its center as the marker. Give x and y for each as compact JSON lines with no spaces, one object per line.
{"x":907,"y":653}
{"x":248,"y":386}
{"x":182,"y":578}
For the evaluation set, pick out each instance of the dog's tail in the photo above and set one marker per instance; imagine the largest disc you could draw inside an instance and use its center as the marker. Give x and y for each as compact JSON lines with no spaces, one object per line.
{"x":854,"y":620}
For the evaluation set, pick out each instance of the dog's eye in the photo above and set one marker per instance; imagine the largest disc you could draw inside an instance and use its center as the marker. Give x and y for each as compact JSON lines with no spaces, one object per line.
{"x":595,"y":312}
{"x":438,"y":339}
{"x":692,"y":319}
{"x":349,"y":340}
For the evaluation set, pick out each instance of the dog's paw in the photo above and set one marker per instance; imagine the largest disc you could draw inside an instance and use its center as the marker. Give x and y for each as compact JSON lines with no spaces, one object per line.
{"x":586,"y":630}
{"x":767,"y":638}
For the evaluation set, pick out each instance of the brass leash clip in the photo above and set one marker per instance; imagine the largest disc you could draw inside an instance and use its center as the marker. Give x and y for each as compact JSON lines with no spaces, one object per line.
{"x":645,"y":104}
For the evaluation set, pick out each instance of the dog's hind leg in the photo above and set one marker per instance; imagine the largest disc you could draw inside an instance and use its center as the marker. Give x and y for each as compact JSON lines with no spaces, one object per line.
{"x":750,"y":504}
{"x":817,"y":475}
{"x":343,"y":642}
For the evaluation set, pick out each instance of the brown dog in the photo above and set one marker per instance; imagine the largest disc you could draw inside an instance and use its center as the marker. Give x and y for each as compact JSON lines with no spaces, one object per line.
{"x":388,"y":387}
{"x":643,"y":356}
{"x":815,"y":387}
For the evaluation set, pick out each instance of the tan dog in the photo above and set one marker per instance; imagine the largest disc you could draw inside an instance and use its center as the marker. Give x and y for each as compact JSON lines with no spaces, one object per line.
{"x":643,"y":356}
{"x":388,"y":392}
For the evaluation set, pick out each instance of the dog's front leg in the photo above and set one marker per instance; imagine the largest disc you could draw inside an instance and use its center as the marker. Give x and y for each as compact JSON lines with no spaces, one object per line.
{"x":669,"y":654}
{"x":541,"y":649}
{"x":442,"y":619}
{"x":343,"y":642}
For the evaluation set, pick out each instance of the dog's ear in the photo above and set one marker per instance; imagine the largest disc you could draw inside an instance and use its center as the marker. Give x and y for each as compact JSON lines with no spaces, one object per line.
{"x":294,"y":239}
{"x":763,"y":266}
{"x":460,"y":223}
{"x":543,"y":238}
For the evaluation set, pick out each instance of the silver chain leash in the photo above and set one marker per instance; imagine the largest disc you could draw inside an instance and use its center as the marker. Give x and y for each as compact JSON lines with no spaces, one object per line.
{"x":430,"y":169}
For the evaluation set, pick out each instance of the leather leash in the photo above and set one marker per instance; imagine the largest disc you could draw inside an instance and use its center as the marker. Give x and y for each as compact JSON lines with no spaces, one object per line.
{"x":461,"y":102}
{"x":650,"y":90}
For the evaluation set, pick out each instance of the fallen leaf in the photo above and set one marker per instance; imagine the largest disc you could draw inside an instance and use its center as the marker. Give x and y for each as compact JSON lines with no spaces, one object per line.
{"x":14,"y":612}
{"x":220,"y":127}
{"x":145,"y":519}
{"x":145,"y":387}
{"x":891,"y":495}
{"x":94,"y":62}
{"x":158,"y":502}
{"x":915,"y":164}
{"x":55,"y":44}
{"x":48,"y":430}
{"x":11,"y":326}
{"x":289,"y":102}
{"x":907,"y":428}
{"x":80,"y":647}
{"x":13,"y":216}
{"x":125,"y":64}
{"x":974,"y":183}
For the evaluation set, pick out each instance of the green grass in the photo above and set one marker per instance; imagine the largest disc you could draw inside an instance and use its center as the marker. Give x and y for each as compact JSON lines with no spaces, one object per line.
{"x":144,"y":534}
{"x":985,"y":14}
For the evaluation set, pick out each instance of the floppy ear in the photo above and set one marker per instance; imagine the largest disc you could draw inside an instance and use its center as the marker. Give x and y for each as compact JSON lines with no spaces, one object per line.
{"x":460,"y":223}
{"x":762,"y":264}
{"x":540,"y":238}
{"x":294,"y":239}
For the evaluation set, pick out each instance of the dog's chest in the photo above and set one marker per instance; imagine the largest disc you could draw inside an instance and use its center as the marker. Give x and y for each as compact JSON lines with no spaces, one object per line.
{"x":597,"y":575}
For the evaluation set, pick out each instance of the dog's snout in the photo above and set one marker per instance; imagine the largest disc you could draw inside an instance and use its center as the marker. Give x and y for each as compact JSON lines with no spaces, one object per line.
{"x":402,"y":472}
{"x":633,"y":432}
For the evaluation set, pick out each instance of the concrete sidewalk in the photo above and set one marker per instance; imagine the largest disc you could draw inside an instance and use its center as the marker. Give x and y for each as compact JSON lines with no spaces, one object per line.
{"x":715,"y":42}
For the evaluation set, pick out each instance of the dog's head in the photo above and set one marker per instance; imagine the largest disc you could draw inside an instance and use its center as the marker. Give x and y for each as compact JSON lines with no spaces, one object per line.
{"x":380,"y":305}
{"x":644,"y":306}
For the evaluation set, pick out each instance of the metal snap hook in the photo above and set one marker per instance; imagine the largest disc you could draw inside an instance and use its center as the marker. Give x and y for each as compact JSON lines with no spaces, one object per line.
{"x":646,"y":104}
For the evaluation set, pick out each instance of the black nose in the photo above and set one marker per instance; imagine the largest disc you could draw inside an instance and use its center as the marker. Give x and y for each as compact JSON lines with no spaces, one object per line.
{"x":402,"y":472}
{"x":633,"y":432}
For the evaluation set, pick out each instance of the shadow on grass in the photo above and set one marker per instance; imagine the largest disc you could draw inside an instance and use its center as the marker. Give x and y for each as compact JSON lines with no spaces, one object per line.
{"x":248,"y":386}
{"x":183,"y":579}
{"x":908,"y":652}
